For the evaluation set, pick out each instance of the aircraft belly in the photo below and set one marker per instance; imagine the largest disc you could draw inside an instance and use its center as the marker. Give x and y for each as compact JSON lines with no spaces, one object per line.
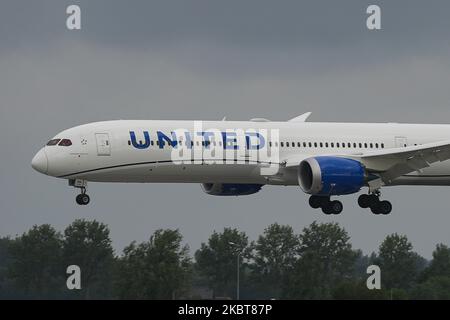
{"x":168,"y":172}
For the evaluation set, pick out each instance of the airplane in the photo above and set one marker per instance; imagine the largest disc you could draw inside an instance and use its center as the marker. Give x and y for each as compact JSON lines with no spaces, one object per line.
{"x":232,"y":158}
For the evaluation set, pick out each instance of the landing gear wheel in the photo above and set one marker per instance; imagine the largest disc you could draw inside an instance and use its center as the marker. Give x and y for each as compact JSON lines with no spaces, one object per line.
{"x":385,"y":207}
{"x":375,"y":209}
{"x":332,"y":207}
{"x":317,"y":201}
{"x":336,"y":206}
{"x":364,"y":201}
{"x":327,"y":209}
{"x":379,"y":207}
{"x":82,"y":199}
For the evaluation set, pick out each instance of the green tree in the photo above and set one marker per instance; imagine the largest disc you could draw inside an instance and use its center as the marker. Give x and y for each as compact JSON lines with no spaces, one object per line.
{"x":435,"y":279}
{"x":36,"y":262}
{"x":434,"y":288}
{"x":398,"y":263}
{"x":157,"y":269}
{"x":217,"y":260}
{"x":275,"y":254}
{"x":87,"y":244}
{"x":352,"y":289}
{"x":7,"y":288}
{"x":440,"y":265}
{"x":326,"y":258}
{"x":361,"y":263}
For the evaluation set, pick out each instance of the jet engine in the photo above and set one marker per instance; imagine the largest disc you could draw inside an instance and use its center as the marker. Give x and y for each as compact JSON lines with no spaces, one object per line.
{"x":328,"y":175}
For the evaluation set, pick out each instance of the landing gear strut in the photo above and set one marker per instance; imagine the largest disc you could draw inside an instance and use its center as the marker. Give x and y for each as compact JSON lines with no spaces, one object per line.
{"x":373,"y":202}
{"x":328,"y":206}
{"x":82,"y":199}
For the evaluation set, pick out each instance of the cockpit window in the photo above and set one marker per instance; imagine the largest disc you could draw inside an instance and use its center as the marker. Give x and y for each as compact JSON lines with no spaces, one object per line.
{"x":53,"y":142}
{"x":65,"y":143}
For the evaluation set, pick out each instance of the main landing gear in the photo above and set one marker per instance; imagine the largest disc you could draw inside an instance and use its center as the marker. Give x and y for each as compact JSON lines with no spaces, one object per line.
{"x":82,"y":199}
{"x":373,"y":202}
{"x":328,"y":206}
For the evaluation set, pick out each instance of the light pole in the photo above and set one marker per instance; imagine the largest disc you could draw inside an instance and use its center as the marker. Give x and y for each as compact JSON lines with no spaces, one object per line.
{"x":237,"y":267}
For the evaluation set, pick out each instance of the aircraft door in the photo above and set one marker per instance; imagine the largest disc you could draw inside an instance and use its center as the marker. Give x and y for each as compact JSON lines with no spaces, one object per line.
{"x":103,"y":144}
{"x":401,"y":142}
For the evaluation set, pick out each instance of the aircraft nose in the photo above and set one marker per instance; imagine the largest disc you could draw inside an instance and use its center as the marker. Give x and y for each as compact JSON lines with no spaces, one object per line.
{"x":40,"y":162}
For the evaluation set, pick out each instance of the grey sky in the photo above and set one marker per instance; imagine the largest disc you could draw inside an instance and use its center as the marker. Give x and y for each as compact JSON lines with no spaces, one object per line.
{"x":205,"y":60}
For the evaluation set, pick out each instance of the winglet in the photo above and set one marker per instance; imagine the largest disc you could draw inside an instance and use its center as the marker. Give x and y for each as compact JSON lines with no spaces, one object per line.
{"x":301,"y":118}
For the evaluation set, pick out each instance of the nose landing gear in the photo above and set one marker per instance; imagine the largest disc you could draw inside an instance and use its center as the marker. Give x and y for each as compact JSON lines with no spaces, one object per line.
{"x":373,"y":202}
{"x":82,"y":199}
{"x":328,"y":207}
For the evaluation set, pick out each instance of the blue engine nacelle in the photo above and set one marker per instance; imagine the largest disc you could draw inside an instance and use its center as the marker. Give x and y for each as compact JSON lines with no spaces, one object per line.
{"x":326,"y":175}
{"x":230,"y":189}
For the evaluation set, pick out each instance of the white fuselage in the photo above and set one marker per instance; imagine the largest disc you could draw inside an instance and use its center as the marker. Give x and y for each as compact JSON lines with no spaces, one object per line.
{"x":105,"y":152}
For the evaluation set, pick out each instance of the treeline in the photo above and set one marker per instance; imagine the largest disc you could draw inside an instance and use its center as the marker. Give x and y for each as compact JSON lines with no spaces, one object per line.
{"x":318,"y":263}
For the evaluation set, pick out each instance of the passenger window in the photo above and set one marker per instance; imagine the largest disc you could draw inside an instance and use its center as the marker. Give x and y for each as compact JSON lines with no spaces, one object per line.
{"x":360,"y":145}
{"x":53,"y":142}
{"x":376,"y":145}
{"x":326,"y":144}
{"x":337,"y":145}
{"x":349,"y":145}
{"x":371,"y":146}
{"x":310,"y":144}
{"x":315,"y":144}
{"x":321,"y":145}
{"x":65,"y":143}
{"x":332,"y":144}
{"x":287,"y":144}
{"x":299,"y":144}
{"x":382,"y":145}
{"x":304,"y":144}
{"x":282,"y":144}
{"x":354,"y":145}
{"x":270,"y":144}
{"x":365,"y":145}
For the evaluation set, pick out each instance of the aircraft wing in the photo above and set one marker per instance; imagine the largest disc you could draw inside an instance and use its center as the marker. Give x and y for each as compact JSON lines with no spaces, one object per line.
{"x":393,"y":163}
